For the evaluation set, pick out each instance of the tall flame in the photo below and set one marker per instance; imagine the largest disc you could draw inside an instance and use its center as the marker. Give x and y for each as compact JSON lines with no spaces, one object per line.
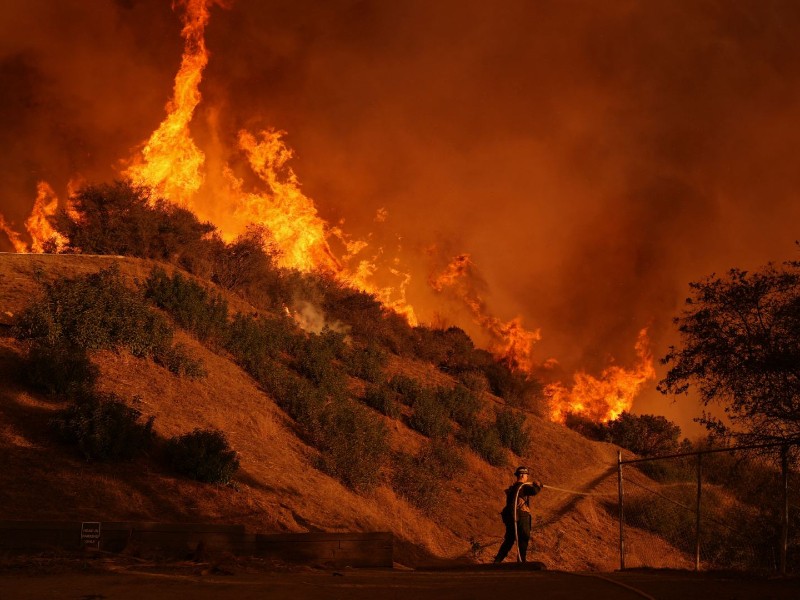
{"x":299,"y":232}
{"x":14,"y":237}
{"x":509,"y":339}
{"x":171,"y":163}
{"x":605,"y":398}
{"x":38,"y":224}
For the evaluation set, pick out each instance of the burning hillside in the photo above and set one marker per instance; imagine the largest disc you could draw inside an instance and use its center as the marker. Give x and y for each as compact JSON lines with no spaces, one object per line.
{"x":256,"y":185}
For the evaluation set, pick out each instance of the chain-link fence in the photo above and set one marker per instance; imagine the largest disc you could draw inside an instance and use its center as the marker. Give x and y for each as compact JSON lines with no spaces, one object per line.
{"x":736,"y":508}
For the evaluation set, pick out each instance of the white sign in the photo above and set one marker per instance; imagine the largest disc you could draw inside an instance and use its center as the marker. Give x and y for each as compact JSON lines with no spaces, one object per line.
{"x":90,"y":534}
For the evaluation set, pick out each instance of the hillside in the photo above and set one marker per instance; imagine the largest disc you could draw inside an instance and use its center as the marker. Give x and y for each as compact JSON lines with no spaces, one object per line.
{"x":278,"y":488}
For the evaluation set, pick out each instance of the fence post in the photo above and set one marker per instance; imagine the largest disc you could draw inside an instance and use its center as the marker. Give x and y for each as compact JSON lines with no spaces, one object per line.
{"x":785,"y":511}
{"x":697,"y":522}
{"x":621,"y":513}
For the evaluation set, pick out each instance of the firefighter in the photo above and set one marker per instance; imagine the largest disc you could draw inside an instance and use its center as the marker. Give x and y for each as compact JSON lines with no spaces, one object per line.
{"x":517,"y":515}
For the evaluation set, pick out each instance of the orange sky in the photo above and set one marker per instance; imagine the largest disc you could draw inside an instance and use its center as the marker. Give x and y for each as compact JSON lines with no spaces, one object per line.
{"x":592,"y":158}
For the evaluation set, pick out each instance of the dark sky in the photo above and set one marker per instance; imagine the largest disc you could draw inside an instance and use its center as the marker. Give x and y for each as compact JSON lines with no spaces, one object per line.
{"x":591,"y":157}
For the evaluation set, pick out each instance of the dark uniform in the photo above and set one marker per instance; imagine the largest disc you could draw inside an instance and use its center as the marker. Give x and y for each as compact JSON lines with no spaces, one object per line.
{"x":523,"y":525}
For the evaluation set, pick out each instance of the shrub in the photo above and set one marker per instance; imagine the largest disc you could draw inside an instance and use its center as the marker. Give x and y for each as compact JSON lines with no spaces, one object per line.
{"x":302,"y":400}
{"x":429,"y":417}
{"x":647,"y":435}
{"x":203,"y":314}
{"x":519,"y":389}
{"x":247,"y":266}
{"x":94,"y":312}
{"x":382,"y":399}
{"x":512,"y":431}
{"x":366,"y":362}
{"x":124,"y":219}
{"x":444,"y":458}
{"x":485,"y":441}
{"x":60,"y":370}
{"x":407,"y":387}
{"x":251,"y":339}
{"x":176,"y":360}
{"x":353,"y":443}
{"x":204,"y":455}
{"x":104,"y":428}
{"x":586,"y":427}
{"x":422,"y":479}
{"x":474,"y":381}
{"x":417,"y":484}
{"x":316,"y":358}
{"x":461,"y":404}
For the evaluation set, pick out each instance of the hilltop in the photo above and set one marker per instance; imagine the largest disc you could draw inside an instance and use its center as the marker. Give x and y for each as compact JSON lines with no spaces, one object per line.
{"x":279,"y":487}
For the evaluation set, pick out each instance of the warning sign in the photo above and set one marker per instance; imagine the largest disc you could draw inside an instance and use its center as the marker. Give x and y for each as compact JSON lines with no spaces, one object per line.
{"x":90,"y":534}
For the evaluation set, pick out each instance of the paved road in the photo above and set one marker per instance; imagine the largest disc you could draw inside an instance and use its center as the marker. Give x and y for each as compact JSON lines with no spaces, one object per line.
{"x":389,"y":585}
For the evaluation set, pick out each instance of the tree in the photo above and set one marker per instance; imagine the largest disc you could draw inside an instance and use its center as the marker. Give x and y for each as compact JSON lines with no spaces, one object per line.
{"x":740,"y":348}
{"x":647,"y":435}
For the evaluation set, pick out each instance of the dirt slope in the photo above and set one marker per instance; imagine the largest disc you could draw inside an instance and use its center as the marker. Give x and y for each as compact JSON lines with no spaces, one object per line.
{"x":278,"y":487}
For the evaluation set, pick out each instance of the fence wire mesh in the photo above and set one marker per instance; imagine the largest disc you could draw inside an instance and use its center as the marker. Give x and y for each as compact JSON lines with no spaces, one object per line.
{"x":740,"y":501}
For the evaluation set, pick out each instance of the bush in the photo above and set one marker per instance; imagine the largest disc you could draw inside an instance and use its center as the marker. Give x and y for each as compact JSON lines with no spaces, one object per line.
{"x":366,"y":362}
{"x":203,"y":314}
{"x":245,"y":265}
{"x":474,"y":381}
{"x":95,"y":312}
{"x":422,"y":479}
{"x":519,"y":389}
{"x":60,"y":370}
{"x":316,"y":358}
{"x":646,"y":435}
{"x":485,"y":441}
{"x":429,"y":417}
{"x":461,"y":404}
{"x":512,"y":431}
{"x":302,"y":400}
{"x":353,"y":443}
{"x":104,"y":428}
{"x":251,"y":340}
{"x":204,"y":455}
{"x":124,"y":219}
{"x":586,"y":427}
{"x":407,"y":387}
{"x":382,"y":399}
{"x":417,"y":484}
{"x":176,"y":360}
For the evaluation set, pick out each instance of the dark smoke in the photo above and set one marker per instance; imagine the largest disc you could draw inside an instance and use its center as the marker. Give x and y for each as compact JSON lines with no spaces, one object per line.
{"x":591,"y":157}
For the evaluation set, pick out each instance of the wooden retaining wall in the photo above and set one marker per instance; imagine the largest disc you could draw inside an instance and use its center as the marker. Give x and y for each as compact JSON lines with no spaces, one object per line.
{"x":182,"y":540}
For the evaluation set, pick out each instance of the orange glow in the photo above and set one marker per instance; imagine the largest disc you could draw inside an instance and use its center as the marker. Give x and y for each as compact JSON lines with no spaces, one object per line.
{"x":170,"y":162}
{"x":38,"y":225}
{"x":291,"y":217}
{"x":172,"y":166}
{"x":13,"y":236}
{"x":605,"y":398}
{"x":509,"y":339}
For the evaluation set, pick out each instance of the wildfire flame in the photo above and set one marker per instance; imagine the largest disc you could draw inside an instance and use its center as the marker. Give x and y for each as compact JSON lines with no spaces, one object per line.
{"x":172,"y":165}
{"x":14,"y":237}
{"x":38,"y":225}
{"x":605,"y":398}
{"x":509,"y":339}
{"x":170,"y":162}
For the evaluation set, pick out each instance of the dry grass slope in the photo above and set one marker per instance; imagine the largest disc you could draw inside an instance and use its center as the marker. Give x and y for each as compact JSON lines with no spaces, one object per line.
{"x":279,"y":490}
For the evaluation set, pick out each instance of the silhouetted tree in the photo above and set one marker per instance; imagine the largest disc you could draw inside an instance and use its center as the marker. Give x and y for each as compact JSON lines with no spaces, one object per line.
{"x":124,"y":219}
{"x":740,"y":348}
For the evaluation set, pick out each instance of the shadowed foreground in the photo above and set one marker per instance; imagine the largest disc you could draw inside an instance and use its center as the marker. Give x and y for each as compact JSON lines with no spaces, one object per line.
{"x":387,"y":584}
